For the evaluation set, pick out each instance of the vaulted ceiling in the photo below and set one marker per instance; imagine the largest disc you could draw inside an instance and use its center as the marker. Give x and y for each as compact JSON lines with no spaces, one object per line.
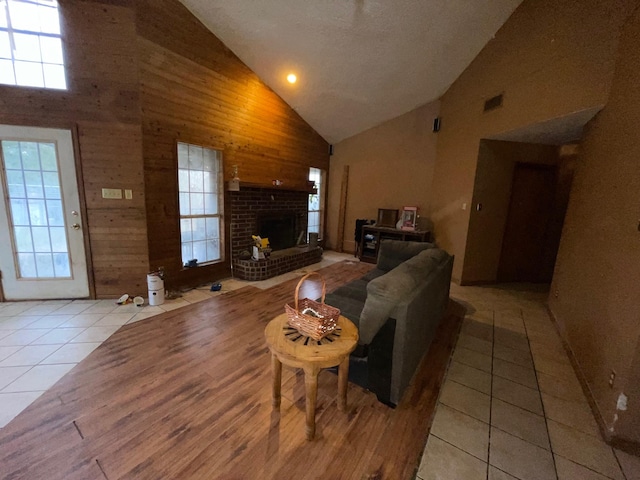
{"x":358,"y":62}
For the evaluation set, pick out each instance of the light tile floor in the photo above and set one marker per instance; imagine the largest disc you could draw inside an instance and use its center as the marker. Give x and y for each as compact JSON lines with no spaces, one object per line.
{"x":40,"y":341}
{"x":511,"y":406}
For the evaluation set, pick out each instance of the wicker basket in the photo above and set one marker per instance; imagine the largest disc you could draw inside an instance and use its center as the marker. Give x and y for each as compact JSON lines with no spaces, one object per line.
{"x":312,"y":326}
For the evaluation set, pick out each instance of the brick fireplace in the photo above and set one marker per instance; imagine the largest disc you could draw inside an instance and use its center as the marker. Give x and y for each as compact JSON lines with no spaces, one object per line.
{"x":286,"y":211}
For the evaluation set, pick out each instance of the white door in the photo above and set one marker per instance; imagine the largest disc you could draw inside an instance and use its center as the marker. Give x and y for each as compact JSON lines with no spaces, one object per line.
{"x":41,"y":243}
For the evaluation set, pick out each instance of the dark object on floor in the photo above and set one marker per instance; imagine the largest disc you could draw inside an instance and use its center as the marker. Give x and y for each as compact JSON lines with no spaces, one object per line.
{"x":216,"y":287}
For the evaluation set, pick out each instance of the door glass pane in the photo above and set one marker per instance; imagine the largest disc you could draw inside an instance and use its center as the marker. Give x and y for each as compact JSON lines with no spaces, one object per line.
{"x":61,"y":265}
{"x":27,"y":264}
{"x":37,"y":212}
{"x":58,"y":239}
{"x":19,"y":211}
{"x":38,"y":225}
{"x":33,"y":182}
{"x":51,"y":184}
{"x":54,"y":213}
{"x":44,"y":265}
{"x":41,"y":241}
{"x":48,"y":157}
{"x":23,"y":239}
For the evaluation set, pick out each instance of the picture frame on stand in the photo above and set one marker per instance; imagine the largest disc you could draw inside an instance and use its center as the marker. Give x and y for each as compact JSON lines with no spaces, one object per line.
{"x":409,"y":218}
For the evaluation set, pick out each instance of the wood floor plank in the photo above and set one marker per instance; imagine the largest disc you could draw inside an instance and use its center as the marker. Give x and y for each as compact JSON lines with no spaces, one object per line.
{"x":187,"y":394}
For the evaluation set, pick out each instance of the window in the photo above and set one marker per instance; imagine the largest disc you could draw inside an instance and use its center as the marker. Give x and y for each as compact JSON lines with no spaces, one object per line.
{"x":201,"y":203}
{"x":316,"y":202}
{"x":33,"y":183}
{"x":30,"y":44}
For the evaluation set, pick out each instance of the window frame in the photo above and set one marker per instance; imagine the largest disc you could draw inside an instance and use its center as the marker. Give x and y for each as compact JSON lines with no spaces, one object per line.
{"x":220,"y":194}
{"x":11,"y":31}
{"x":322,"y":175}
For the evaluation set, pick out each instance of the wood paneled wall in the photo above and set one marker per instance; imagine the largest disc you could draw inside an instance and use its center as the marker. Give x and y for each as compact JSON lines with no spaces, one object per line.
{"x":194,"y":89}
{"x":101,"y":107}
{"x":143,"y":74}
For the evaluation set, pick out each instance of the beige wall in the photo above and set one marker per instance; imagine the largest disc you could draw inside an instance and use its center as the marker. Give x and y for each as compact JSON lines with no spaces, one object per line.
{"x":597,"y":276}
{"x":390,"y":166}
{"x":549,"y":59}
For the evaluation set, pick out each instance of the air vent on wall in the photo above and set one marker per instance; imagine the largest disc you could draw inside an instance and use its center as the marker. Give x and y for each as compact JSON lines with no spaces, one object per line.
{"x":493,"y":103}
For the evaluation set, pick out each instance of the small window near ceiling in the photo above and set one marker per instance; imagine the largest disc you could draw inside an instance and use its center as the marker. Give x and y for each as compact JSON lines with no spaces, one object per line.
{"x":316,"y":202}
{"x":30,"y":44}
{"x":201,"y":204}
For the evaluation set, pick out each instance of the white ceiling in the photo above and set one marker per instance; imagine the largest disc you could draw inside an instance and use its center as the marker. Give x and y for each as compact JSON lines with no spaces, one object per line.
{"x":359,"y":62}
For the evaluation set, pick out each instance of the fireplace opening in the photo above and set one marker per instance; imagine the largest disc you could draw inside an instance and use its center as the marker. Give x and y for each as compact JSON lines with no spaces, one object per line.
{"x":280,"y":228}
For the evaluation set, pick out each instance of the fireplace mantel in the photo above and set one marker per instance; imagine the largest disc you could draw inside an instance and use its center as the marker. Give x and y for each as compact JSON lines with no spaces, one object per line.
{"x":283,"y":187}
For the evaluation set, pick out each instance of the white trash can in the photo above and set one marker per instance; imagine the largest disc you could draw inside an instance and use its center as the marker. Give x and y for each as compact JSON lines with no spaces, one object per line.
{"x":156,"y":289}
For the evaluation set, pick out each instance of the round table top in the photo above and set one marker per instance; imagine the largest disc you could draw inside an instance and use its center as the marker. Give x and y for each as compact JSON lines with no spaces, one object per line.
{"x":296,"y":349}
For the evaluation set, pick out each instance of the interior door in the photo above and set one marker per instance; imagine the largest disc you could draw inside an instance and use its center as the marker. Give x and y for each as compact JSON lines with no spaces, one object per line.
{"x":42,"y":254}
{"x":525,"y":238}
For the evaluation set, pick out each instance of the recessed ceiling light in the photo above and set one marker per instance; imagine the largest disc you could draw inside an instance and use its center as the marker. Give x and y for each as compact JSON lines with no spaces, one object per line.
{"x":291,"y":78}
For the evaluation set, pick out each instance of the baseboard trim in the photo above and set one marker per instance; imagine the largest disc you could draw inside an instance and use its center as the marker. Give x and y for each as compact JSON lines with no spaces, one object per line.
{"x":628,"y":446}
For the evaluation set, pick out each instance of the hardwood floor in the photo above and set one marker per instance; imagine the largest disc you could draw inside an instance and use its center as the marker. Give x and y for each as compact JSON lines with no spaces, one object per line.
{"x":187,"y":394}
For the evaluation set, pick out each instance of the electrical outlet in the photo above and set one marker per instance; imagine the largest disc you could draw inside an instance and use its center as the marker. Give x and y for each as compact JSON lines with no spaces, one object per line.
{"x":612,"y":378}
{"x":128,"y":194}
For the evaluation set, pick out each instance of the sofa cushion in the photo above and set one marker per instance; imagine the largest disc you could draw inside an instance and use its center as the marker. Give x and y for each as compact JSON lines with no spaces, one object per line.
{"x":425,"y":262}
{"x":373,"y":274}
{"x":393,"y":252}
{"x":356,"y":290}
{"x":349,"y":307}
{"x":385,"y":292}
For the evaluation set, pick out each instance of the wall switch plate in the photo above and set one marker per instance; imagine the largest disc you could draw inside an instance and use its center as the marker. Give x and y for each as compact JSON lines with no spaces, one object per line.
{"x":128,"y":194}
{"x":115,"y":193}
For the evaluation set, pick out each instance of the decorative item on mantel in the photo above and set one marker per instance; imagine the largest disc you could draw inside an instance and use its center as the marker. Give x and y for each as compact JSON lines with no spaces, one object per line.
{"x":310,"y":318}
{"x":234,"y":183}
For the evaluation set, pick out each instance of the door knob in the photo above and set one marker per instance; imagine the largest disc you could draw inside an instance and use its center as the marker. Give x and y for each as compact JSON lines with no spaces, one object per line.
{"x":76,"y":226}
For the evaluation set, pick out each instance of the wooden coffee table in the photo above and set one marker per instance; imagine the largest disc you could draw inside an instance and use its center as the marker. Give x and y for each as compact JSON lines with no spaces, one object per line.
{"x":295,"y":350}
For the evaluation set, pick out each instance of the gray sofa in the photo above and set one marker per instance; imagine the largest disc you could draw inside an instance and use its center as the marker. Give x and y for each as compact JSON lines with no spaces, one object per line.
{"x":397,"y":307}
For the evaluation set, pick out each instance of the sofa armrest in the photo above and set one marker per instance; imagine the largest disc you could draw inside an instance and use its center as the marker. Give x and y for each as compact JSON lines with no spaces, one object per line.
{"x":383,"y":294}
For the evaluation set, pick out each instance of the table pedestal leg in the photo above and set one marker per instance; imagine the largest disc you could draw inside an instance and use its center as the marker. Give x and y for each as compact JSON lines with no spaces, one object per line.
{"x":311,"y":388}
{"x":276,"y":366}
{"x":343,"y":376}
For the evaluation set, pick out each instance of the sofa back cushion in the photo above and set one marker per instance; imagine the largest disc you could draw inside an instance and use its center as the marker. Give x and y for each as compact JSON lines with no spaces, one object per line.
{"x":385,"y":292}
{"x":393,"y":252}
